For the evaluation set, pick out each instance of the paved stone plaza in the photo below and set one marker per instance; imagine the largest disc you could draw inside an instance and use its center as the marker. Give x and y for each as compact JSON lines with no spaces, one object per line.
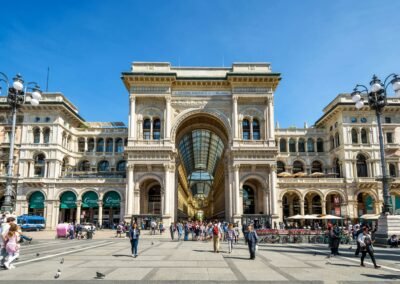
{"x":163,"y":261}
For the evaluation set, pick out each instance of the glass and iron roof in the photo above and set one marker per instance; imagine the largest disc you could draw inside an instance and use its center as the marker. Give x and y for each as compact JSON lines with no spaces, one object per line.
{"x":200,"y":152}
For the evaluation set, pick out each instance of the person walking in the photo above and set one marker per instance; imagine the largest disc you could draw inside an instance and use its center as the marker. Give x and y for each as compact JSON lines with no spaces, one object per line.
{"x":161,"y":228}
{"x":230,"y":237}
{"x":172,"y":230}
{"x":134,"y":234}
{"x":365,"y":241}
{"x":358,"y":231}
{"x":5,"y":226}
{"x":12,"y":246}
{"x":252,"y":239}
{"x":180,"y":231}
{"x":216,"y":235}
{"x":236,"y":229}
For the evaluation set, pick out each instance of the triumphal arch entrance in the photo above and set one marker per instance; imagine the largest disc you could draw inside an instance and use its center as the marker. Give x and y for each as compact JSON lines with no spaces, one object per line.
{"x":201,"y":143}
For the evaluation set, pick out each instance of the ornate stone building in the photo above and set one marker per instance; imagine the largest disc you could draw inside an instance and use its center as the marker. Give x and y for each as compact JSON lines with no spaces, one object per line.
{"x":201,"y":143}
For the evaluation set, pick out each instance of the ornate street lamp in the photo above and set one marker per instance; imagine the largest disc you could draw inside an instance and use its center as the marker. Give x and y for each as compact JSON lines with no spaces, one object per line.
{"x":377,"y":100}
{"x":16,"y":96}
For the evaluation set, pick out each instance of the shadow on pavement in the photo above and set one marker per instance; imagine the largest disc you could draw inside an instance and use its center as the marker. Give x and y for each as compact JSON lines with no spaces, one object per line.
{"x":236,"y":257}
{"x":122,"y":255}
{"x":383,"y":276}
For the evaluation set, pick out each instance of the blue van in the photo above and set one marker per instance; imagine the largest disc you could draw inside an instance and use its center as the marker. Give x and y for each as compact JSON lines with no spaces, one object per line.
{"x":31,"y":222}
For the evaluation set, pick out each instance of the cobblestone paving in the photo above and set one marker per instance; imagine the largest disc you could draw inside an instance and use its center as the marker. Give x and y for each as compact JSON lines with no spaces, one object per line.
{"x":164,"y":261}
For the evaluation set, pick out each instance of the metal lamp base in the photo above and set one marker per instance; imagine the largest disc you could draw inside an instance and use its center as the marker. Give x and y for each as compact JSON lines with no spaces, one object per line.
{"x":6,"y":208}
{"x":388,"y":225}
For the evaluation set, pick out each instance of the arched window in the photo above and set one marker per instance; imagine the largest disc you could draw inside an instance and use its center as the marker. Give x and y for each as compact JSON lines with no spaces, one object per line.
{"x":146,"y":129}
{"x":301,"y":145}
{"x":154,"y":202}
{"x":126,"y":142}
{"x":310,"y":145}
{"x":84,"y":166}
{"x":81,"y":144}
{"x":100,"y":145}
{"x":280,"y":167}
{"x":248,"y":200}
{"x":246,"y":129}
{"x":320,"y":145}
{"x":282,"y":146}
{"x":337,"y":139}
{"x":256,"y":130}
{"x":362,"y":166}
{"x":392,"y":170}
{"x":316,"y":167}
{"x":46,"y":135}
{"x":156,"y":129}
{"x":90,"y":145}
{"x":364,"y":136}
{"x":109,"y":145}
{"x":298,"y":167}
{"x":39,"y":165}
{"x":103,"y":166}
{"x":119,"y":145}
{"x":36,"y":135}
{"x":121,"y":166}
{"x":316,"y":205}
{"x":354,"y":136}
{"x":337,"y":168}
{"x":332,"y":140}
{"x":292,"y":145}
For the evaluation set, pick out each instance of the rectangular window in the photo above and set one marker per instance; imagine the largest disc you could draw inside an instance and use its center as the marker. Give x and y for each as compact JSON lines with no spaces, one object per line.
{"x":389,"y":137}
{"x":388,"y":119}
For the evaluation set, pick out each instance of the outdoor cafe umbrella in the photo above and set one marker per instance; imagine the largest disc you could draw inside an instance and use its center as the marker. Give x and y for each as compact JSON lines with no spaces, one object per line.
{"x":300,"y":174}
{"x":296,"y":217}
{"x":285,"y":174}
{"x":310,"y":217}
{"x":317,"y":174}
{"x":370,"y":216}
{"x":329,"y":217}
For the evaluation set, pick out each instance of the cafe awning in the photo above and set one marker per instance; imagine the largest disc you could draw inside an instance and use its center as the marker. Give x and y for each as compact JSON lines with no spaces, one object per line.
{"x":111,"y":200}
{"x":36,"y":201}
{"x":90,"y":200}
{"x":68,"y":200}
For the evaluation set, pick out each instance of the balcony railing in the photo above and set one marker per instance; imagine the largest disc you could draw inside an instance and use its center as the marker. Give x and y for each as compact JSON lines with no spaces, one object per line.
{"x":84,"y":175}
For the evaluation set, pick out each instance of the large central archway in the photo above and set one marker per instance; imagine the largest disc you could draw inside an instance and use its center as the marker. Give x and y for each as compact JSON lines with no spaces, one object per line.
{"x":201,"y":141}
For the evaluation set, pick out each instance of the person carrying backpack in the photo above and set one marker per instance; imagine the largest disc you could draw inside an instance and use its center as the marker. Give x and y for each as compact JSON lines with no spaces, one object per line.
{"x":216,"y":235}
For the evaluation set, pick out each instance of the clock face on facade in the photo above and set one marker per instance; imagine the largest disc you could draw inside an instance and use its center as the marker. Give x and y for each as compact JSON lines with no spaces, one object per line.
{"x":354,"y":119}
{"x":363,"y":120}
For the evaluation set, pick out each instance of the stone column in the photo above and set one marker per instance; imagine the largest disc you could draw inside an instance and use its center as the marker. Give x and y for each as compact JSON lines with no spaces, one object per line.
{"x":271,"y":118}
{"x":86,"y":145}
{"x":100,"y":221}
{"x":167,"y":117}
{"x":237,"y":190}
{"x":94,"y":145}
{"x":132,"y":117}
{"x":167,"y":190}
{"x":130,"y":189}
{"x":235,"y":117}
{"x":302,"y":207}
{"x":136,"y":196}
{"x":78,"y":211}
{"x":265,"y":201}
{"x":273,"y":191}
{"x":323,"y":204}
{"x":151,"y":129}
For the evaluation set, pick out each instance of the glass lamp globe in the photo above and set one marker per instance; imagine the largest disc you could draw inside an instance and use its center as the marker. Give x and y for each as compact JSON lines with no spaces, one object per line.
{"x":34,"y":102}
{"x":396,"y":86}
{"x":18,"y":85}
{"x":359,"y":104}
{"x":36,"y":95}
{"x":356,"y":97}
{"x":376,"y":87}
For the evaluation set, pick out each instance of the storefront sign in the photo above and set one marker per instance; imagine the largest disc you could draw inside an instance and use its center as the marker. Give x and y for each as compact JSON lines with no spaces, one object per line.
{"x":37,"y":200}
{"x":68,"y":200}
{"x":90,"y":200}
{"x":112,"y":199}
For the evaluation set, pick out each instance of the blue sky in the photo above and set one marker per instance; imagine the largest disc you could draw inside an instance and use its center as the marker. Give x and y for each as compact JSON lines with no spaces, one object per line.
{"x":322,"y":48}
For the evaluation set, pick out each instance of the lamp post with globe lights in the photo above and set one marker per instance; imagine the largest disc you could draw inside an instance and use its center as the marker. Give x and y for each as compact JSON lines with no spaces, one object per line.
{"x":16,"y":96}
{"x":376,"y":98}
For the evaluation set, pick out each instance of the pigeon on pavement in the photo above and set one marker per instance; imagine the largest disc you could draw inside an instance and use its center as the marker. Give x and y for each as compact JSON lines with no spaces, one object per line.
{"x":62,"y":260}
{"x":58,"y":274}
{"x":37,"y":254}
{"x":100,"y":275}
